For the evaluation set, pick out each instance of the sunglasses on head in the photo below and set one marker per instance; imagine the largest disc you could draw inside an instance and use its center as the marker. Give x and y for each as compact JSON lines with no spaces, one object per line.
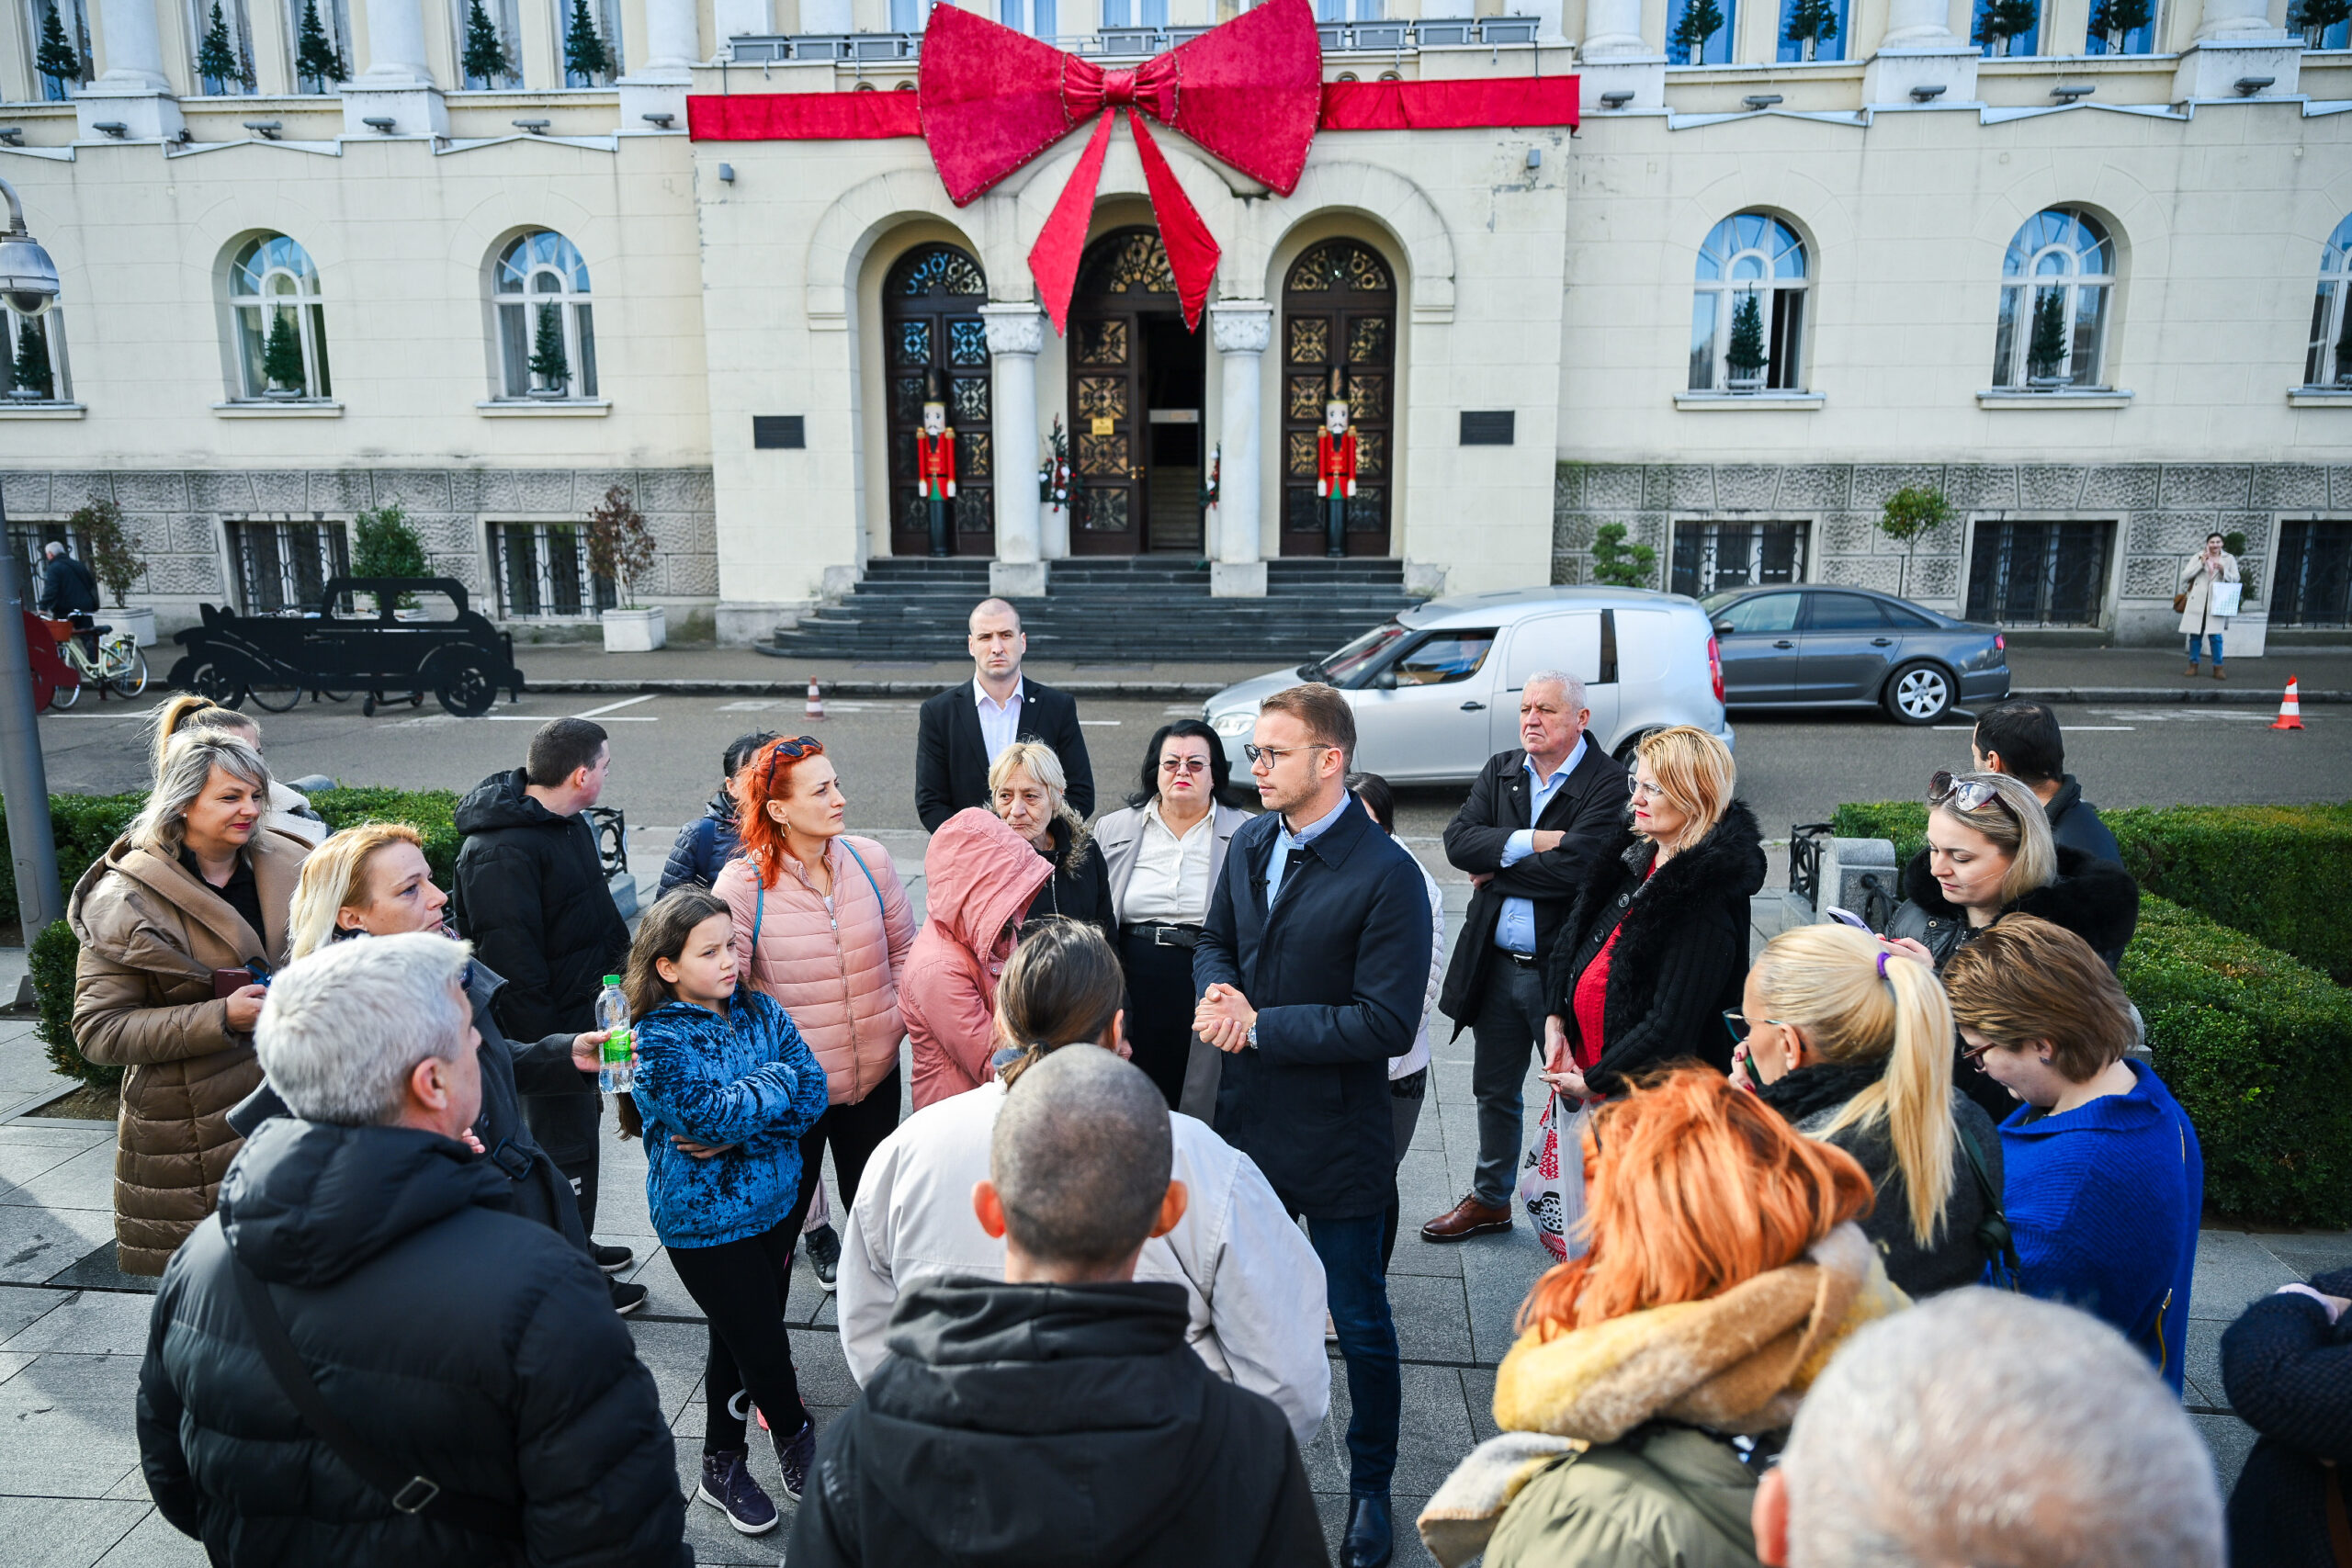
{"x":788,"y":751}
{"x":1947,"y":789}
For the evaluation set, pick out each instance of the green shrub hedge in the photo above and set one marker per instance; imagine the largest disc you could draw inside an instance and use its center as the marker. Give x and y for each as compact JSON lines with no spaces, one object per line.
{"x":2268,"y":871}
{"x":2254,"y":1046}
{"x":82,"y":826}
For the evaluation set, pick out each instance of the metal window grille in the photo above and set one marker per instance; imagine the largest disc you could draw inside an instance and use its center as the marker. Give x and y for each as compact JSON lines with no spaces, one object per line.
{"x":2039,"y":574}
{"x":285,"y":566}
{"x":1709,"y":557}
{"x":542,"y":571}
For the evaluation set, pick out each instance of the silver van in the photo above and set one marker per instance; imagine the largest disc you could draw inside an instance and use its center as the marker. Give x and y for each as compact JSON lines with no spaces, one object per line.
{"x":1436,"y":690}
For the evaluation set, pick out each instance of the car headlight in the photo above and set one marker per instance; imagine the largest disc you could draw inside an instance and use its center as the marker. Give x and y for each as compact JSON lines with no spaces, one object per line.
{"x":1241,"y":721}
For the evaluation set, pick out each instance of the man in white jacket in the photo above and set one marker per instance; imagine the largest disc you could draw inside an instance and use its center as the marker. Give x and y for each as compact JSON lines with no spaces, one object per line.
{"x":1253,"y":1285}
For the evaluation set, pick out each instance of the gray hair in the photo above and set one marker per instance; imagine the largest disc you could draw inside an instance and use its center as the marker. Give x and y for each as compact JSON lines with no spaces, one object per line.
{"x":1984,"y":1426}
{"x":1081,"y":1159}
{"x":342,"y":1030}
{"x":1570,"y":686}
{"x":52,"y":550}
{"x":186,"y":771}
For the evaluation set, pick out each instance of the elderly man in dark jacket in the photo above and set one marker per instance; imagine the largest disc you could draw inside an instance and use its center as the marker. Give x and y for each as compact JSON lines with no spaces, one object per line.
{"x":362,"y":1357}
{"x":1313,"y":967}
{"x":66,"y":585}
{"x":531,"y":895}
{"x":1531,"y":834}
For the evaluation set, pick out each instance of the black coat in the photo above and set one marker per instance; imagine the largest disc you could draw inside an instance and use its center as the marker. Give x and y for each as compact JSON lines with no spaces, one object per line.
{"x":2288,"y":1375}
{"x":1080,"y":888}
{"x":66,"y":585}
{"x":474,"y":1346}
{"x":1681,"y":953}
{"x":532,"y":898}
{"x":952,"y":760}
{"x":2075,"y":823}
{"x":1053,"y":1427}
{"x":1810,"y":1096}
{"x":1589,"y":807}
{"x":1338,"y":973}
{"x":536,"y":1190}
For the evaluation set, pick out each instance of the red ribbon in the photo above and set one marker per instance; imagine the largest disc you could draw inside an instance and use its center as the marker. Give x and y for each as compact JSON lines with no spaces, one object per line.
{"x":991,"y":100}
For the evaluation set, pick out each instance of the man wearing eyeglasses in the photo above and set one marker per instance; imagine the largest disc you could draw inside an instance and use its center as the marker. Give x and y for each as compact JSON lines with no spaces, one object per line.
{"x":1538,"y":820}
{"x":1312,"y":968}
{"x":965,"y":727}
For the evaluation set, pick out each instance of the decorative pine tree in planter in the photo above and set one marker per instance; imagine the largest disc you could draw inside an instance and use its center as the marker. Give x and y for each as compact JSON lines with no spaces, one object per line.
{"x":2115,"y":20}
{"x":550,"y":369}
{"x":55,"y":57}
{"x":1812,"y":22}
{"x":28,"y":376}
{"x":2003,"y":21}
{"x":2312,"y":18}
{"x":1701,"y":20}
{"x":316,"y":58}
{"x":2045,"y":354}
{"x":1746,"y":357}
{"x":1618,"y":563}
{"x":584,"y":54}
{"x":484,"y":57}
{"x":216,"y":57}
{"x":281,"y":358}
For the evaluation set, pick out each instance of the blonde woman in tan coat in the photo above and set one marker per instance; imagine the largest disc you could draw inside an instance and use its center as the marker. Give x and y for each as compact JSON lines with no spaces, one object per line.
{"x":196,"y":884}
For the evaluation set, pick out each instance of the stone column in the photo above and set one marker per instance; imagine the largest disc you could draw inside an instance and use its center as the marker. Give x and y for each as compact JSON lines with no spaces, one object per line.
{"x":1240,"y":329}
{"x":397,"y":85}
{"x":2235,"y":43}
{"x":1920,"y":53}
{"x":1614,"y":58}
{"x":134,"y":93}
{"x":672,"y":44}
{"x":1016,"y":336}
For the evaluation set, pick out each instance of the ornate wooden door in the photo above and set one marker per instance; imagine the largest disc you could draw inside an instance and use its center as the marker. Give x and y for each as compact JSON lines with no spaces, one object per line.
{"x":1126,"y":280}
{"x":931,"y":320}
{"x":1339,"y":308}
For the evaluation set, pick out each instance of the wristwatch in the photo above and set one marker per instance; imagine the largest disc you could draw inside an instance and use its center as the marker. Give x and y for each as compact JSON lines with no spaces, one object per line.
{"x":1253,"y":1037}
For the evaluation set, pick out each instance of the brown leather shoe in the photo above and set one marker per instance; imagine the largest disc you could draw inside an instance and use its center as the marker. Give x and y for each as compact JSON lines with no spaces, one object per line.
{"x":1467,"y":1219}
{"x":2217,"y":673}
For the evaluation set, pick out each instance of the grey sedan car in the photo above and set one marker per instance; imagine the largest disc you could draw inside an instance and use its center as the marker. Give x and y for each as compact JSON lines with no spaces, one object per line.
{"x":1801,"y":646}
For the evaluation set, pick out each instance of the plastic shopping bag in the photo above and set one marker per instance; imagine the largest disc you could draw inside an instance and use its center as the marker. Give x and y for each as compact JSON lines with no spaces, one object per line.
{"x":1551,"y":1183}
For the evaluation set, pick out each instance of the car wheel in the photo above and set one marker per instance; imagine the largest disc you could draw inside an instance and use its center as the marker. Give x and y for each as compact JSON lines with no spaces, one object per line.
{"x":1919,"y":693}
{"x":211,"y":681}
{"x":468,"y":691}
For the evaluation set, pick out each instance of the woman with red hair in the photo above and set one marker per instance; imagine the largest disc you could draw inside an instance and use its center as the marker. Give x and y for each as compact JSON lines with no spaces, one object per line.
{"x":1655,"y":1374}
{"x":822,"y":925}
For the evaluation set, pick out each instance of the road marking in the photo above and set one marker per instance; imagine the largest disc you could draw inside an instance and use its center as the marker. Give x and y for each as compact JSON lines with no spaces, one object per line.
{"x":2185,"y":715}
{"x":615,"y":708}
{"x":544,"y":718}
{"x":2080,"y":728}
{"x":1109,"y":723}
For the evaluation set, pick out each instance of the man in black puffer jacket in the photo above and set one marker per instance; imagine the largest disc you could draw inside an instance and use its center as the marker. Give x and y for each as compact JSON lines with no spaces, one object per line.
{"x":531,"y":896}
{"x":462,"y":1343}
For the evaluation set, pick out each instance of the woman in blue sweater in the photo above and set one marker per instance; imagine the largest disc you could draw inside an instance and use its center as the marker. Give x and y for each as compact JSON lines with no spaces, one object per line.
{"x":725,"y":1088}
{"x":2103,"y":1182}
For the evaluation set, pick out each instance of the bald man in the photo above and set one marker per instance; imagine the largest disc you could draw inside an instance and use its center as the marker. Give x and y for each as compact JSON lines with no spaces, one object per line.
{"x":964,"y":727}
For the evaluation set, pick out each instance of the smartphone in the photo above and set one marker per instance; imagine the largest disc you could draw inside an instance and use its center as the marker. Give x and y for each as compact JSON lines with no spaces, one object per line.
{"x":1848,"y":918}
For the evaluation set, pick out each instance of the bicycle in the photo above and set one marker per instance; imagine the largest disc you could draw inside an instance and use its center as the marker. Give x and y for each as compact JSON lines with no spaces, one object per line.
{"x":120,"y":665}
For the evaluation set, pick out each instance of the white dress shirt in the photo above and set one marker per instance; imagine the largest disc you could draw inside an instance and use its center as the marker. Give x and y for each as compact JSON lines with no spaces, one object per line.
{"x":999,"y":722}
{"x":1515,"y":927}
{"x":1170,"y":885}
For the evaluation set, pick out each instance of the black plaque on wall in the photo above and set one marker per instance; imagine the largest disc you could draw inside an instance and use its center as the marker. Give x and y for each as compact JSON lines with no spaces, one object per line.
{"x":1487,"y":427}
{"x":780,"y":432}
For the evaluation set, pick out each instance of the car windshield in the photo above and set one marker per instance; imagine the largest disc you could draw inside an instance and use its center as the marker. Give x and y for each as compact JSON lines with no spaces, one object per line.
{"x":1721,"y":597}
{"x":1358,"y":655}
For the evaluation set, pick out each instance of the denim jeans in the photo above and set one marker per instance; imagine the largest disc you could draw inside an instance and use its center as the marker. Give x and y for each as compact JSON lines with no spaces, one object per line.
{"x":2214,"y":637}
{"x":1358,"y":1294}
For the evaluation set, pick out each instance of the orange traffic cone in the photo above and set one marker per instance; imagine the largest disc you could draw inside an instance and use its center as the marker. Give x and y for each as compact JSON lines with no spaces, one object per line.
{"x":816,"y":708}
{"x":2290,"y":709}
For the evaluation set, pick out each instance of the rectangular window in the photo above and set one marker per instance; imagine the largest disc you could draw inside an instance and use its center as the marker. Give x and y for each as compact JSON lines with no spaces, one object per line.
{"x":318,"y":64}
{"x":2039,"y":574}
{"x":1710,"y":557}
{"x":904,"y":18}
{"x":505,"y":23}
{"x":35,"y":369}
{"x":1690,"y":39}
{"x":604,"y":20}
{"x":2008,"y":28}
{"x":60,"y":30}
{"x":2122,"y":27}
{"x":28,"y":540}
{"x":223,"y":59}
{"x":542,"y":571}
{"x":1812,"y":29}
{"x":285,"y":566}
{"x":2313,"y":586}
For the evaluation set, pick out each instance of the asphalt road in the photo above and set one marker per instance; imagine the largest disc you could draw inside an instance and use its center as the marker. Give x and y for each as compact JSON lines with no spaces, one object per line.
{"x":666,"y":751}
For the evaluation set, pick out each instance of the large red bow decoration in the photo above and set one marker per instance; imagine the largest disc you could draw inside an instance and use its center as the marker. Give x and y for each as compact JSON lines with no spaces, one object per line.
{"x":1248,"y":91}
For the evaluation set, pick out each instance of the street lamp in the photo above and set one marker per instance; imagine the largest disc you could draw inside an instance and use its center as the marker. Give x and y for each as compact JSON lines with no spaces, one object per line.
{"x":29,"y":287}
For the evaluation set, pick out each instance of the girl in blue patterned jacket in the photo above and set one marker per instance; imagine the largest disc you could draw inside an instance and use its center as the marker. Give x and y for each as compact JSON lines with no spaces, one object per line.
{"x":725,"y":1088}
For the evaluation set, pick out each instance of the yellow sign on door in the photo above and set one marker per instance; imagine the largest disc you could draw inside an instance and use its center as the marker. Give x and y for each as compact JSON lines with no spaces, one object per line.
{"x":1105,"y":426}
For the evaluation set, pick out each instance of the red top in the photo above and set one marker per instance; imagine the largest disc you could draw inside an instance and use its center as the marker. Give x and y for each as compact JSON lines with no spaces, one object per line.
{"x":1591,"y":997}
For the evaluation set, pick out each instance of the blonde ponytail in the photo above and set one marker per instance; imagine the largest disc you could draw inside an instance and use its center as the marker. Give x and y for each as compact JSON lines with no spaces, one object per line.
{"x":1826,"y":980}
{"x":188,"y":714}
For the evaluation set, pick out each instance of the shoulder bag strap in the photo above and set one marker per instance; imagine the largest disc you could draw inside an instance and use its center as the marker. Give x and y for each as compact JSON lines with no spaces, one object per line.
{"x":759,"y":913}
{"x":869,"y":874}
{"x":408,"y":1494}
{"x":1992,"y":1231}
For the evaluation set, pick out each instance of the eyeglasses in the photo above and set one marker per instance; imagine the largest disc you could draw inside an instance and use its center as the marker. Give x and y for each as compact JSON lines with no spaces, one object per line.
{"x":1638,"y":790}
{"x":1736,"y":1021}
{"x":1964,"y":795}
{"x":1272,"y":755}
{"x":1186,"y":764}
{"x":1974,"y":1054}
{"x":787,"y":751}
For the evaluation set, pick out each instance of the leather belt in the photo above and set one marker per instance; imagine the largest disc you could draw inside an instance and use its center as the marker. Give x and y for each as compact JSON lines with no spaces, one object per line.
{"x":1166,"y":935}
{"x":1524,"y":960}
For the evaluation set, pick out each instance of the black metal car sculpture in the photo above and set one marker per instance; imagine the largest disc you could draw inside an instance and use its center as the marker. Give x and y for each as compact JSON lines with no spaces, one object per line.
{"x":464,"y":662}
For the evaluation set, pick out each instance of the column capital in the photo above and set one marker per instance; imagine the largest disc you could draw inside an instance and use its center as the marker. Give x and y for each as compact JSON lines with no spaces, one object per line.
{"x":1241,"y":326}
{"x":1014,"y":327}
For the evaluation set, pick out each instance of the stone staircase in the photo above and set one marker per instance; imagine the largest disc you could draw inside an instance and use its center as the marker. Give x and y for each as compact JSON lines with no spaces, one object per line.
{"x":1106,"y":609}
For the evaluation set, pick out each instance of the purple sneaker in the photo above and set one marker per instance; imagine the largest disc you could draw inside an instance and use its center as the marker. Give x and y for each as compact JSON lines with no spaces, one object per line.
{"x":727,"y":1484}
{"x":798,"y":1457}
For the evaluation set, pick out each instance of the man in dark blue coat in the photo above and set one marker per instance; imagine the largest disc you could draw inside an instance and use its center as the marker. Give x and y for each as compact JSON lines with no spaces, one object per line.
{"x":1312,"y":969}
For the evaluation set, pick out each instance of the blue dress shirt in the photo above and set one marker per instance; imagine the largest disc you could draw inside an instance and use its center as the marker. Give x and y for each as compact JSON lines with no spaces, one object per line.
{"x":1515,"y":930}
{"x":1286,"y":841}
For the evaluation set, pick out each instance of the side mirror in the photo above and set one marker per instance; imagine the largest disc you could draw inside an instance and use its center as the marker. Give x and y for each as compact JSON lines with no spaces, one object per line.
{"x":1384,"y":682}
{"x":1723,"y":628}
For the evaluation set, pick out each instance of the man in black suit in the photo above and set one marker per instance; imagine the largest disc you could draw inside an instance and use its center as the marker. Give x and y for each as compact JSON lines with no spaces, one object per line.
{"x":964,"y":728}
{"x":1312,"y":969}
{"x":1536,"y":823}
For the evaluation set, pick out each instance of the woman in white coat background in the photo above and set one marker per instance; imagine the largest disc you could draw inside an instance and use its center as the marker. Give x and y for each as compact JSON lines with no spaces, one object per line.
{"x":2208,"y":597}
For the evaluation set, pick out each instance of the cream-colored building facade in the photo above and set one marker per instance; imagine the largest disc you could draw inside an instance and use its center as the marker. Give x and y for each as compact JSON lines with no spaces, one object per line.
{"x":1739,"y":307}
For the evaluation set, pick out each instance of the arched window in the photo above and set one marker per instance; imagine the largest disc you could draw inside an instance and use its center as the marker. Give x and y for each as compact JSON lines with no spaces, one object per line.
{"x":281,"y":327}
{"x":1339,"y":312}
{"x":2056,"y":283}
{"x":1748,"y":315}
{"x":931,"y":321}
{"x":2329,"y":362}
{"x":546,"y":329}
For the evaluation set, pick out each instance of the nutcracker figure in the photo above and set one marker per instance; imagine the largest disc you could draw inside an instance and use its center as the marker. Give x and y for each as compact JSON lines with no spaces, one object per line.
{"x":935,"y":459}
{"x":1335,"y":466}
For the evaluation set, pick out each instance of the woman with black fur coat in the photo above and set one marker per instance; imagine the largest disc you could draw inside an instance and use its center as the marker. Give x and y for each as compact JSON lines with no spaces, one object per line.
{"x":1656,"y":947}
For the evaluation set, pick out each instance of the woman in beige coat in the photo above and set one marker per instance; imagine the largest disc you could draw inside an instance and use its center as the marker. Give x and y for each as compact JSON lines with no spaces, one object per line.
{"x":823,"y":926}
{"x":196,"y":884}
{"x":2198,"y":576}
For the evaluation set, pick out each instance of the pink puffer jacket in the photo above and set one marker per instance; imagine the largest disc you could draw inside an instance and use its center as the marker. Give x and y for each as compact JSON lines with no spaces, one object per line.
{"x":837,"y":975}
{"x":981,"y":875}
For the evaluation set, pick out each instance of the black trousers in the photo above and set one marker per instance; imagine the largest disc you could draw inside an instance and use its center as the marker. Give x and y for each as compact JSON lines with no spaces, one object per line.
{"x":853,"y":1132}
{"x":742,"y":1288}
{"x":1405,"y":1097}
{"x":1159,"y":1011}
{"x":565,"y":1126}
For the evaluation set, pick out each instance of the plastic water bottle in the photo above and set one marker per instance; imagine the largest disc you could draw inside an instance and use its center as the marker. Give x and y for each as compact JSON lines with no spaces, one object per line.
{"x":618,"y":1074}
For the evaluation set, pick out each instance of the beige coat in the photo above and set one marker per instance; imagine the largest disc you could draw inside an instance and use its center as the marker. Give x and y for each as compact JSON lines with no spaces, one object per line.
{"x":152,"y":933}
{"x":2198,"y":585}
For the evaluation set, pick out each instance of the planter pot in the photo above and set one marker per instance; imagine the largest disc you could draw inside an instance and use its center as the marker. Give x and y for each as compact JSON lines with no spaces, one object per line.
{"x":1743,"y":383}
{"x":281,"y":394}
{"x":550,"y":394}
{"x":140,"y":624}
{"x":636,"y":631}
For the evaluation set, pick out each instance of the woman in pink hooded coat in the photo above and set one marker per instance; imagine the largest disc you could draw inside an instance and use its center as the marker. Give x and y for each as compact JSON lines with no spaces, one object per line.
{"x":982,"y":875}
